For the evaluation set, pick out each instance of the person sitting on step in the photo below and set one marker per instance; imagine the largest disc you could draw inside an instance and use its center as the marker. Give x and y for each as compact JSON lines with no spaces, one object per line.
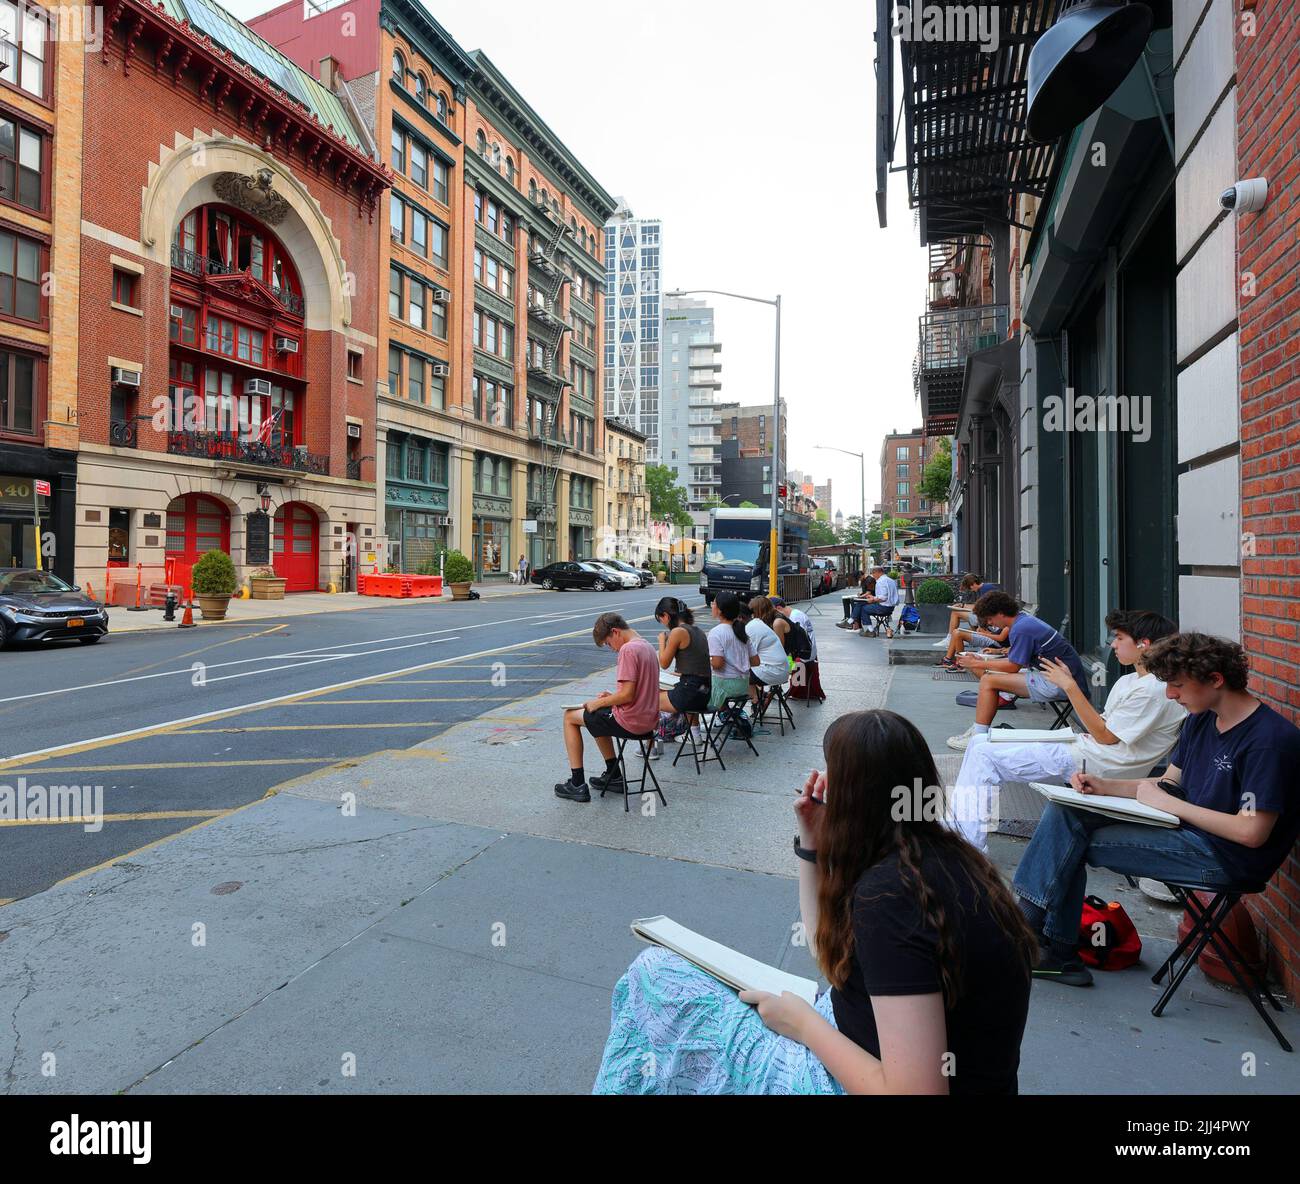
{"x":1231,"y":783}
{"x":1128,"y":739}
{"x":1019,"y":673}
{"x":628,"y":713}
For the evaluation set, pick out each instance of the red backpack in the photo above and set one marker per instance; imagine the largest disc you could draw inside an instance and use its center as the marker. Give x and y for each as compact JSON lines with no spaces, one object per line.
{"x":1108,"y":939}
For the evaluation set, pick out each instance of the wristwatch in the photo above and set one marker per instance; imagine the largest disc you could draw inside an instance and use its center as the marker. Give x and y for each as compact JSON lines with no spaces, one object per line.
{"x":803,"y":852}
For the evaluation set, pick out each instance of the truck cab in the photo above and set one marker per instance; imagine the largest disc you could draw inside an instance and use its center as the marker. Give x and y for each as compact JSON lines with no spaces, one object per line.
{"x":736,"y":554}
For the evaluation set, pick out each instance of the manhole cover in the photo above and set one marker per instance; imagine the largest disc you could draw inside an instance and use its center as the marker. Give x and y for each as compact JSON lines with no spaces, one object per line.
{"x":227,"y":888}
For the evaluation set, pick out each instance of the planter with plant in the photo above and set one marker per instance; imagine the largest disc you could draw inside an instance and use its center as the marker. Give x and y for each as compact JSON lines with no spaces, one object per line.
{"x":932,"y":600}
{"x":213,"y":581}
{"x":264,"y":584}
{"x":458,"y":571}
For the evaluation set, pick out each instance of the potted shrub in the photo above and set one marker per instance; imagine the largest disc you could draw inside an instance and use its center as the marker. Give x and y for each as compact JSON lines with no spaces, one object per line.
{"x":213,"y":581}
{"x":458,"y":571}
{"x":932,"y":600}
{"x":265,"y":584}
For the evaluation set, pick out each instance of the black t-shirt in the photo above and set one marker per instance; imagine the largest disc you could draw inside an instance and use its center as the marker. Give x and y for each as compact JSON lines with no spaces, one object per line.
{"x":895,"y":953}
{"x":1258,"y":756}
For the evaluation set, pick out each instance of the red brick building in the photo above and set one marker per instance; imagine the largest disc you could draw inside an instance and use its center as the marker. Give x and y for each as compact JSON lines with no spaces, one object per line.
{"x":1268,"y":263}
{"x":228,"y":304}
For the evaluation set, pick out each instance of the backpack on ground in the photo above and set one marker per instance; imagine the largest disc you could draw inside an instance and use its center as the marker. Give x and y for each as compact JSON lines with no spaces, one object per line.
{"x":737,"y":722}
{"x":909,"y":620}
{"x":671,"y":725}
{"x":1108,"y":939}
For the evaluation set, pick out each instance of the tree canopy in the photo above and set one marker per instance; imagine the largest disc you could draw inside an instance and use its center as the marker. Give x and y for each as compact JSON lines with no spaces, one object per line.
{"x":668,"y":500}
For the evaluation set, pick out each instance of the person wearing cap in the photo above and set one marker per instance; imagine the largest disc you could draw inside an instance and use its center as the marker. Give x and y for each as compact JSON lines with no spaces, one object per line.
{"x":811,"y":686}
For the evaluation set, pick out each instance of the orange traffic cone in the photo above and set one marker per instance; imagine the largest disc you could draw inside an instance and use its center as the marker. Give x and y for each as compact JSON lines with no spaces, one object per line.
{"x":187,"y":621}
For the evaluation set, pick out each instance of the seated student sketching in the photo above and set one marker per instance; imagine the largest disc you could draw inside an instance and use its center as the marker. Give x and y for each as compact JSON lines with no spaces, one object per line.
{"x":770,"y":666}
{"x":1232,"y":779}
{"x":879,"y":605}
{"x":866,"y":589}
{"x":991,"y":641}
{"x":687,"y":645}
{"x":628,"y":713}
{"x":729,"y":651}
{"x":1133,"y":734}
{"x":927,"y":955}
{"x":1020,"y":673}
{"x":969,"y":591}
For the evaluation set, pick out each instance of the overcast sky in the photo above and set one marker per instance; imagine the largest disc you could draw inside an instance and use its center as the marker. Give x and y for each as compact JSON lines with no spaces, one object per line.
{"x":748,"y":127}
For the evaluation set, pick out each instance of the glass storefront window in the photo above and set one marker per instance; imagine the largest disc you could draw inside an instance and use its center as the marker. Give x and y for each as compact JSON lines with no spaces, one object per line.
{"x":491,"y":546}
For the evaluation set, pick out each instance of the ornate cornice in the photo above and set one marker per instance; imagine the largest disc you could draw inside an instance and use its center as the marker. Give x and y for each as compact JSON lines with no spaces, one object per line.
{"x":262,"y":113}
{"x":493,"y":367}
{"x":501,"y":507}
{"x":494,"y":304}
{"x":502,"y":251}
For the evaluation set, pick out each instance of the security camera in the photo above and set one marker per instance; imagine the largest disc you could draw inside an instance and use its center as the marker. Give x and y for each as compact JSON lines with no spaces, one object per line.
{"x":1246,"y":196}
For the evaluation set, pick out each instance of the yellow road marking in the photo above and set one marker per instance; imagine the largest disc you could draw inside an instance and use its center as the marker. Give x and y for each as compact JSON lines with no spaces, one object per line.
{"x":303,"y":728}
{"x":435,"y":699}
{"x":286,"y":760}
{"x":4,"y":900}
{"x":442,"y":682}
{"x":143,"y":816}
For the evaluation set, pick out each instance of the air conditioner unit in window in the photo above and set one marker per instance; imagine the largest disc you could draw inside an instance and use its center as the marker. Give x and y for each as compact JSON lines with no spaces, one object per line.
{"x":441,"y":296}
{"x":125,"y":377}
{"x":354,"y":431}
{"x":442,"y":520}
{"x":441,"y":369}
{"x":286,"y":345}
{"x":257,"y":386}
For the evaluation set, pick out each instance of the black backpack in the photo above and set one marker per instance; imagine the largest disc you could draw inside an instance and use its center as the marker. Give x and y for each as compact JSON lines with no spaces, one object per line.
{"x":798,"y":643}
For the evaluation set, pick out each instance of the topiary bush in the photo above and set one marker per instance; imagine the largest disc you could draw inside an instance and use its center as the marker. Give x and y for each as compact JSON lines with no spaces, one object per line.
{"x":933,"y":592}
{"x":457,"y":569}
{"x":213,"y":575}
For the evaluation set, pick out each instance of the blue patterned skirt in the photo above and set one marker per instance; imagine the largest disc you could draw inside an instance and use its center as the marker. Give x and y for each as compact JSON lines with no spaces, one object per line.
{"x":677,"y":1030}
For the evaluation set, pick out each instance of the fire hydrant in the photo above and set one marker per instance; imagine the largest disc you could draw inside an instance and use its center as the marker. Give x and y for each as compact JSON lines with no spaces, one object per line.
{"x":169,"y":606}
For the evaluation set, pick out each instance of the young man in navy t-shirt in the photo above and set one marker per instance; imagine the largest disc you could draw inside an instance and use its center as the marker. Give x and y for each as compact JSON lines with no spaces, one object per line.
{"x":1231,"y":782}
{"x":1028,"y":643}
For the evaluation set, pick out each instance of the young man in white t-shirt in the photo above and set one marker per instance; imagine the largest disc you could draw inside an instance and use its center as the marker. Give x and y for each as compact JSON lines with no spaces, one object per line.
{"x":1135,"y":732}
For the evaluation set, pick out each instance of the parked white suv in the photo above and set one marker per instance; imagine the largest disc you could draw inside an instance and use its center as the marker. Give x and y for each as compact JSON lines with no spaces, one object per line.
{"x":625,"y":579}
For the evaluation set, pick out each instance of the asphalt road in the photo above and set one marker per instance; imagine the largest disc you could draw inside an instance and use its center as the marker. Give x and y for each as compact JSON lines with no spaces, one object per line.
{"x":178,"y":726}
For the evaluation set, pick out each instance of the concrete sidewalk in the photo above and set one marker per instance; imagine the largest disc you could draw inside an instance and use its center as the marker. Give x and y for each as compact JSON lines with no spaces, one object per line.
{"x":299,"y":604}
{"x":437,"y":921}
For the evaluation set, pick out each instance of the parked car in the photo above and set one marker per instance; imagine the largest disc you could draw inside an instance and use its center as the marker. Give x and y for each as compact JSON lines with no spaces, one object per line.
{"x":38,"y":606}
{"x":621,"y":578}
{"x":575,"y":575}
{"x":822,"y":572}
{"x":644,"y":578}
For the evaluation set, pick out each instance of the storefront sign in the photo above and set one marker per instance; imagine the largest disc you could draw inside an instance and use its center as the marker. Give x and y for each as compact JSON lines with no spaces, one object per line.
{"x":530,"y":526}
{"x":257,"y":544}
{"x":18,"y":491}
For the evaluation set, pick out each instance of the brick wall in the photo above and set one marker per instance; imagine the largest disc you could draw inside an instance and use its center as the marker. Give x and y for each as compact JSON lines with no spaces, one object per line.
{"x":1268,"y":145}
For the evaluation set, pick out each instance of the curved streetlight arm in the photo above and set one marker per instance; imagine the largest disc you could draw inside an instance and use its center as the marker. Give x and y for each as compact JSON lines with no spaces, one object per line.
{"x":862,"y":461}
{"x":718,"y":292}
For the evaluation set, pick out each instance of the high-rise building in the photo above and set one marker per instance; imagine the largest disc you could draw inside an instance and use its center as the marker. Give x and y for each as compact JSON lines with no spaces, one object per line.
{"x":690,"y":422}
{"x":633,"y":323}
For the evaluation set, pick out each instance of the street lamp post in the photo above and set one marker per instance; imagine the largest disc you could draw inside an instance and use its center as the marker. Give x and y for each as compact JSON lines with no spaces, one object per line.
{"x":862,"y":460}
{"x":774,"y":541}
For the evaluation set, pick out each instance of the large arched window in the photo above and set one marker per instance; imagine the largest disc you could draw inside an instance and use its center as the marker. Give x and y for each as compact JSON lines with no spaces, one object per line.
{"x":399,"y":68}
{"x":422,"y":90}
{"x":236,"y":337}
{"x":444,"y":111}
{"x":496,"y":155}
{"x":532,"y":192}
{"x":510,"y":169}
{"x":480,"y":142}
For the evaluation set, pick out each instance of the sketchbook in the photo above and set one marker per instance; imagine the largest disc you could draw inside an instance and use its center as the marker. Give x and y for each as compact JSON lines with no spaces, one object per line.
{"x":736,"y":970}
{"x":1121,"y":809}
{"x":1031,"y":736}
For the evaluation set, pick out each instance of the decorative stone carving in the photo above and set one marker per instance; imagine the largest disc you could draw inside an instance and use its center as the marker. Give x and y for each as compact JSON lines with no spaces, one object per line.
{"x":252,"y":194}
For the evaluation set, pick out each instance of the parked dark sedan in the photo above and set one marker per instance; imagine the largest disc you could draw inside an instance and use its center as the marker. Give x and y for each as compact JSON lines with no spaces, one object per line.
{"x":38,"y":606}
{"x":574,"y":575}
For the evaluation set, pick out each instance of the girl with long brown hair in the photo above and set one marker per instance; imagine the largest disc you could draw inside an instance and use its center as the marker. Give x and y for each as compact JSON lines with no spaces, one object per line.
{"x":927,"y":954}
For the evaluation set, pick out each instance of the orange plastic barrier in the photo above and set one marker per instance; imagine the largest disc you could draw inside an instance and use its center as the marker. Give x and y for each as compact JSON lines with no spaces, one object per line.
{"x":398,"y":587}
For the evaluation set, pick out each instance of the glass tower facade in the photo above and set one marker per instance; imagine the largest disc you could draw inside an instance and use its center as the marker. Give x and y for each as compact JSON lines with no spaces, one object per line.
{"x":633,"y":324}
{"x":690,"y":422}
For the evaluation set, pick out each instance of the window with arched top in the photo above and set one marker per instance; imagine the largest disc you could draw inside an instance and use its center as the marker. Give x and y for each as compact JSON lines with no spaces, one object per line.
{"x":510,"y":169}
{"x":532,"y":191}
{"x":496,"y":155}
{"x":555,"y":204}
{"x":546,"y":198}
{"x":584,"y":238}
{"x":399,"y":68}
{"x":422,"y":90}
{"x":443,"y":110}
{"x":480,"y":142}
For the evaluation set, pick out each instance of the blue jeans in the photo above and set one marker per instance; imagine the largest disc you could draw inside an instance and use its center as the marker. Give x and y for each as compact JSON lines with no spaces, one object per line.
{"x":1053,"y":870}
{"x":861,"y":612}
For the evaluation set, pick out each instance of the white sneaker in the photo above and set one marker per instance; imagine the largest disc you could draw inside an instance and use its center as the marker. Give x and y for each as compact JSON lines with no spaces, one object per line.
{"x":657,"y":750}
{"x":960,"y":741}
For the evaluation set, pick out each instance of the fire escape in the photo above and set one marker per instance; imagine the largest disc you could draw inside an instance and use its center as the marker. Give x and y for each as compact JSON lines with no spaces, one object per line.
{"x":546,"y":382}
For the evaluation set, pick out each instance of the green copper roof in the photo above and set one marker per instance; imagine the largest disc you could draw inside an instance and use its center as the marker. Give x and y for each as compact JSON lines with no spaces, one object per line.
{"x":208,"y":17}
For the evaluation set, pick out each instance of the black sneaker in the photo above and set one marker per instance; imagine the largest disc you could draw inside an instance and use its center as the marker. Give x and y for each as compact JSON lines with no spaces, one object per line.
{"x":607,"y":781}
{"x":1052,"y":968}
{"x":573,"y":793}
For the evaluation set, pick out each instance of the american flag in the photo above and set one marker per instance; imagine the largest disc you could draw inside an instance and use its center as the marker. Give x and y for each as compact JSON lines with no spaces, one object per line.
{"x":268,"y":425}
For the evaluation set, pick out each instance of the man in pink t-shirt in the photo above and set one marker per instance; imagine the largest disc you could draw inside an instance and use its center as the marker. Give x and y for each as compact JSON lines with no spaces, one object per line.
{"x":630,"y":712}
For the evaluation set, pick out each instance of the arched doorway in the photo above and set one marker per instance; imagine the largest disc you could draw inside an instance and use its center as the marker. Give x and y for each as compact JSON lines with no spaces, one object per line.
{"x":195,"y":524}
{"x":297,"y":547}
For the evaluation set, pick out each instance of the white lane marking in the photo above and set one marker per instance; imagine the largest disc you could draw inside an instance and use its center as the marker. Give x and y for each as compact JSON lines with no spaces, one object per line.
{"x":149,"y":729}
{"x":538,"y":618}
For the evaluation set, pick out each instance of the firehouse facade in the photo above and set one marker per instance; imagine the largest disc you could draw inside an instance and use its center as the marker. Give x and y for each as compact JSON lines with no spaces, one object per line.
{"x":228,"y":302}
